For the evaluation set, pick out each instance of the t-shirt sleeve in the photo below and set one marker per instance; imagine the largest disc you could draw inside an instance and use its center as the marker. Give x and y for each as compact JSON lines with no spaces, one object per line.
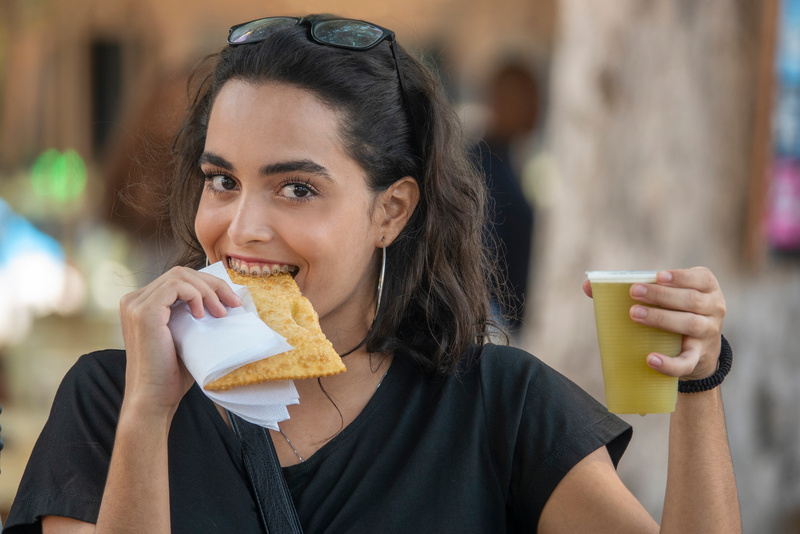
{"x":551,"y":424}
{"x":67,"y":470}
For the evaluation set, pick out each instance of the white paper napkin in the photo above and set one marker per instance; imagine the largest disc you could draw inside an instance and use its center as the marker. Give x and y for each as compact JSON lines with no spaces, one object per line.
{"x":212,"y":346}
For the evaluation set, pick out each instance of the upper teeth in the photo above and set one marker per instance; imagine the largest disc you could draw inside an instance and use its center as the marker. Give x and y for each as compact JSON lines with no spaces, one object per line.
{"x":258,"y":269}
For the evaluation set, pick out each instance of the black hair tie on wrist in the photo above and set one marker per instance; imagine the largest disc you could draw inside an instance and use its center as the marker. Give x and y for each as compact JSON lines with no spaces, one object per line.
{"x":704,"y":384}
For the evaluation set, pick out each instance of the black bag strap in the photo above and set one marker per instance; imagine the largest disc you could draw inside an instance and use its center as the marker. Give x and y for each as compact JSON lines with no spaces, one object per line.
{"x":278,"y":513}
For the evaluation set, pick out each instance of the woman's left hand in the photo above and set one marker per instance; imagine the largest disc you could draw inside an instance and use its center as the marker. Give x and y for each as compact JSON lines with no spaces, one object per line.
{"x":694,"y":306}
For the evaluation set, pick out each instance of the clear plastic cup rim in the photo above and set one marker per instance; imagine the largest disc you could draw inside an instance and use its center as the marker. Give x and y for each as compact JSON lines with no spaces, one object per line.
{"x":622,"y":277}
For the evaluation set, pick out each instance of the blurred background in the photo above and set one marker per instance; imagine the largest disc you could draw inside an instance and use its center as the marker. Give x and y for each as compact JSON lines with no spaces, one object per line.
{"x":615,"y":134}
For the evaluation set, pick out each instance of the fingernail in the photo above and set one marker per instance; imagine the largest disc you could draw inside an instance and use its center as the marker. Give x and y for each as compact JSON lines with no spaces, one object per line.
{"x":639,"y":312}
{"x":664,"y":276}
{"x":638,"y":290}
{"x":654,"y":361}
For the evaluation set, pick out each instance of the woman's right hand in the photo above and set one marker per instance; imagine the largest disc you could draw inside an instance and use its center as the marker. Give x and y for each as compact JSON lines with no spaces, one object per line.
{"x":156,"y":379}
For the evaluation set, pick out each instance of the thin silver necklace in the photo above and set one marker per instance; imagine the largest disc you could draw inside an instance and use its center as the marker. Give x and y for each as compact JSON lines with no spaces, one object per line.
{"x":292,"y":444}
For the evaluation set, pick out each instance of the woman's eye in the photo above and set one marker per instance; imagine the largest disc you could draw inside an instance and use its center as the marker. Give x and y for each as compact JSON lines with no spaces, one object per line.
{"x":220,"y":183}
{"x":297,"y":191}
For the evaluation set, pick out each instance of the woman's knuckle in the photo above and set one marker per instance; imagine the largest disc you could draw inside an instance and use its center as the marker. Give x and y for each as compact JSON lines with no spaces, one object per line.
{"x":722,"y":308}
{"x":179,"y":272}
{"x":695,"y":326}
{"x":173,"y":283}
{"x":129,"y":300}
{"x":710,"y":278}
{"x":137,"y":313}
{"x":694,"y":300}
{"x":655,"y":293}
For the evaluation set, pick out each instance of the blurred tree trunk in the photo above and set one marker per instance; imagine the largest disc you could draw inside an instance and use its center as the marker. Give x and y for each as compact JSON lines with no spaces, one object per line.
{"x":650,"y":134}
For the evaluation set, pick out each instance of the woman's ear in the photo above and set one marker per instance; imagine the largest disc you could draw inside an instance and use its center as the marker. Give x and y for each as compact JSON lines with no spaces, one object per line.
{"x":395,"y":207}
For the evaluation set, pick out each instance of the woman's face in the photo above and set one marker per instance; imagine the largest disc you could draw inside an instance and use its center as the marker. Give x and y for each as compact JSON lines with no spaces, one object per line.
{"x":280,"y":191}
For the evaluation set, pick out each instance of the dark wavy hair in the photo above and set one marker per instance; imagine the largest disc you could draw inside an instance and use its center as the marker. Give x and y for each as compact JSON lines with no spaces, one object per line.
{"x":439,"y":275}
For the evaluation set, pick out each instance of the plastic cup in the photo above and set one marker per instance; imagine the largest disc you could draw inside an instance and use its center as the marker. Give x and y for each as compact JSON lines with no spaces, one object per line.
{"x":631,"y":386}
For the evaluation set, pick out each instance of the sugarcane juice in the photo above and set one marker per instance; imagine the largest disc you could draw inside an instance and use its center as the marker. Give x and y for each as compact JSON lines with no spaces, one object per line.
{"x":631,"y":386}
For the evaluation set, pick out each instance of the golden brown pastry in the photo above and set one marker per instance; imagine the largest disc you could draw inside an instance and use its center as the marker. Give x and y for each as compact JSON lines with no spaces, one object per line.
{"x":281,"y":306}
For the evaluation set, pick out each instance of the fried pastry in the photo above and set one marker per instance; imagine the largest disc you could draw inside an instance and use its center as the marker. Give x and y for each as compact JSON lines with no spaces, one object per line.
{"x":286,"y":311}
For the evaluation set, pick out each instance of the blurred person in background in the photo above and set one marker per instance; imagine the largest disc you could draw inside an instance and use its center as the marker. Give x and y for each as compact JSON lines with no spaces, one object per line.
{"x":319,"y":143}
{"x":513,"y":102}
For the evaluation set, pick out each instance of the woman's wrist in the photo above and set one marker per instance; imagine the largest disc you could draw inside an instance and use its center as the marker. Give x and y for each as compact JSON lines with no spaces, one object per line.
{"x":140,"y":413}
{"x":711,"y":382}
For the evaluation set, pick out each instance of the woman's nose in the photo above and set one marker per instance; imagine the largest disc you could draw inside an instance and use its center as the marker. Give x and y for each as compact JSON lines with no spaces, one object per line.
{"x":250,"y":221}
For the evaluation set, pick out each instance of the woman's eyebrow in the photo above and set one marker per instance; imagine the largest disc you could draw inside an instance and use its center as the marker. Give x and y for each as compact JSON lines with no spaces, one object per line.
{"x":303,"y":165}
{"x":217,"y":161}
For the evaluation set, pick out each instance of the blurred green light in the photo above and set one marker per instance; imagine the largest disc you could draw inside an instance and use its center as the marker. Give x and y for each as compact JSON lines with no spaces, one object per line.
{"x":40,"y":173}
{"x":59,"y":175}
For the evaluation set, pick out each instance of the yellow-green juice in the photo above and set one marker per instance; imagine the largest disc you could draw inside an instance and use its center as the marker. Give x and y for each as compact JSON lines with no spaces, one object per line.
{"x":631,"y":386}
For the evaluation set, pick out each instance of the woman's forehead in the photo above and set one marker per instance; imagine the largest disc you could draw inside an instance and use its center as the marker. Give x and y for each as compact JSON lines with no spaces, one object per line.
{"x":246,"y":115}
{"x":254,"y":125}
{"x":278,"y":101}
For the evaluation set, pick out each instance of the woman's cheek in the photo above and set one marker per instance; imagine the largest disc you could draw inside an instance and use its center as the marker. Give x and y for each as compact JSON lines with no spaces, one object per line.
{"x":204,"y":226}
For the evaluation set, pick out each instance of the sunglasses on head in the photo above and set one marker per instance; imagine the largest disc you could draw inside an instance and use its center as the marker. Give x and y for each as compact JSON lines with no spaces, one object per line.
{"x":349,"y":34}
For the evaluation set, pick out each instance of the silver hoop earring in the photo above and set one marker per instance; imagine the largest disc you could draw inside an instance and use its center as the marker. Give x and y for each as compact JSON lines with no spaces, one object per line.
{"x":380,"y":278}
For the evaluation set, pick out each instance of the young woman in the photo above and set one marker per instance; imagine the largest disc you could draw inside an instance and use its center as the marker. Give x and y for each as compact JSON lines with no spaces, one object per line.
{"x":319,"y":144}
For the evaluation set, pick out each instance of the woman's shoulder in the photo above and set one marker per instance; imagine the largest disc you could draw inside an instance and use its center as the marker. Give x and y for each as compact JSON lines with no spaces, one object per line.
{"x":503,"y":362}
{"x":512,"y":375}
{"x":111,"y":360}
{"x":96,"y":374}
{"x":109,"y":363}
{"x":541,"y":400}
{"x":502,"y":375}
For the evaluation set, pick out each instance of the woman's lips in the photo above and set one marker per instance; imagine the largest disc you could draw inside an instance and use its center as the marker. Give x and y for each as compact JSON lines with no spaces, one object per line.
{"x":255,"y":268}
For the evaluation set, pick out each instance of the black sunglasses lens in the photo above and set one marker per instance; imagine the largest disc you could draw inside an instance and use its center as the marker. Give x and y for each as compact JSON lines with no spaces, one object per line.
{"x":348,"y":33}
{"x":258,"y":30}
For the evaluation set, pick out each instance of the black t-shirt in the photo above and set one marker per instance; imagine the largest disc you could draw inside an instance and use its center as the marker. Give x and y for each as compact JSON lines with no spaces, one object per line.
{"x":480,"y":451}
